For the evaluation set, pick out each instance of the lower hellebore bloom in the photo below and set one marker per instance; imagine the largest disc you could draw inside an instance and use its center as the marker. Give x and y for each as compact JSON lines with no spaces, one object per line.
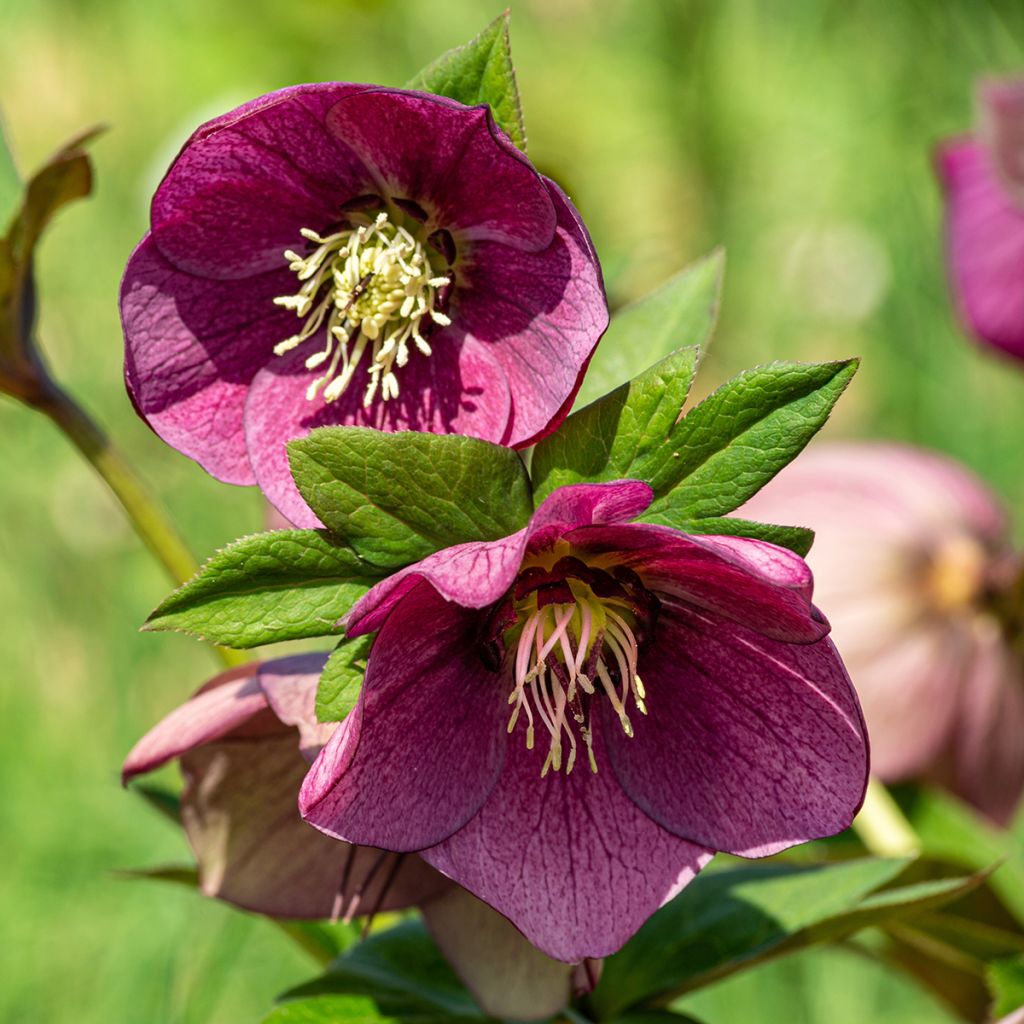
{"x":347,"y":254}
{"x":569,"y":722}
{"x":244,"y":742}
{"x":983,"y":179}
{"x":910,"y":552}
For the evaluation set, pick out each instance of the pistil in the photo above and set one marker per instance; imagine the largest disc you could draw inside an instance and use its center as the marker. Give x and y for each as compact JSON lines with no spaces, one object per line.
{"x":368,"y":291}
{"x":577,"y":641}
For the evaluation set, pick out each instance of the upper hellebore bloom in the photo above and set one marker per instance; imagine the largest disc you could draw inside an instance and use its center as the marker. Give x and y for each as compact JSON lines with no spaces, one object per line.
{"x":911,"y":550}
{"x":347,"y":254}
{"x":244,"y":741}
{"x":569,"y":721}
{"x":983,"y":178}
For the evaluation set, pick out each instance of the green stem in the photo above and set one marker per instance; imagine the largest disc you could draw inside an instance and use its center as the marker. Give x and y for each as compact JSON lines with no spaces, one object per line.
{"x":148,"y":519}
{"x":882,"y":826}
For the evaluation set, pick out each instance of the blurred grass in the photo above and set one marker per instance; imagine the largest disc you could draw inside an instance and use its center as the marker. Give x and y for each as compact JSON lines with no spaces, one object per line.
{"x":796,"y":134}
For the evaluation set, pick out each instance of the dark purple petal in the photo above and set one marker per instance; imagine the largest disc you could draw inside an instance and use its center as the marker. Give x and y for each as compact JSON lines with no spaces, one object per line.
{"x":760,"y":585}
{"x":424,"y":745}
{"x":244,"y":186}
{"x":478,"y":573}
{"x":507,"y":976}
{"x":191,"y":352}
{"x":985,"y":240}
{"x":450,"y":159}
{"x":570,"y":860}
{"x":542,"y":314}
{"x":226,"y":702}
{"x":750,"y":745}
{"x":254,"y":850}
{"x":459,"y":389}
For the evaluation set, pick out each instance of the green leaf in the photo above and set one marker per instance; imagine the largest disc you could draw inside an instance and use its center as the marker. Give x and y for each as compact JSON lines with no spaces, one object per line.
{"x":162,"y":800}
{"x":283,"y":585}
{"x":682,"y":311}
{"x":403,"y":973}
{"x":729,"y":920}
{"x":396,"y":498}
{"x":178,"y":874}
{"x":728,"y":447}
{"x":951,"y":830}
{"x":342,"y":678}
{"x":619,"y":436}
{"x":329,"y":1010}
{"x":796,"y":538}
{"x":480,"y":71}
{"x":1006,"y":981}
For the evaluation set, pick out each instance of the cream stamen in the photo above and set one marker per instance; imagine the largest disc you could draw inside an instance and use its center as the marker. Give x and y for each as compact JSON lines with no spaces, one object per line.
{"x":374,"y":288}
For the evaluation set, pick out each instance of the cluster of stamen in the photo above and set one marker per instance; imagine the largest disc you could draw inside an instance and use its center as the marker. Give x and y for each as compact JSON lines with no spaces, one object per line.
{"x":367,"y":287}
{"x":572,"y":635}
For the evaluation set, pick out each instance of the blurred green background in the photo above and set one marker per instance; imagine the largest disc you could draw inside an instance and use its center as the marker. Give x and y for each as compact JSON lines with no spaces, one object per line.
{"x":796,"y":133}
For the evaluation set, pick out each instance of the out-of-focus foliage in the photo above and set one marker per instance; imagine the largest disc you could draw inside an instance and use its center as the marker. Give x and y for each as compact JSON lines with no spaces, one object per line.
{"x":795,"y":134}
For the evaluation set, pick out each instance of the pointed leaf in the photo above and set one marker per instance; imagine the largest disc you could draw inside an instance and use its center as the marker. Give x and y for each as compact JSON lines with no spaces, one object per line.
{"x":681,"y":312}
{"x":404,"y":974}
{"x":619,"y":436}
{"x":342,"y":679}
{"x":282,"y":585}
{"x":396,"y":498}
{"x":480,"y":71}
{"x":329,"y":1010}
{"x":729,"y":920}
{"x":723,"y":451}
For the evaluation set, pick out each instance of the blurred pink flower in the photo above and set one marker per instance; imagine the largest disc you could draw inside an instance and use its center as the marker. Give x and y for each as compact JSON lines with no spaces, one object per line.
{"x":505,"y":732}
{"x":983,"y":179}
{"x":910,"y":550}
{"x":244,"y":742}
{"x":346,"y":254}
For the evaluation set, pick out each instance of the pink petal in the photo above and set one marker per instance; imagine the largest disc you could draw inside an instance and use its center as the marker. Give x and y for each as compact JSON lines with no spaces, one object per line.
{"x":290,"y":686}
{"x":985,"y":231}
{"x":244,"y":186}
{"x":452,"y":160}
{"x":988,"y":739}
{"x":227,"y":702}
{"x":507,"y":976}
{"x":541,"y":313}
{"x":190,"y":354}
{"x":765,"y":587}
{"x":424,"y":745}
{"x":750,"y":745}
{"x":478,"y":573}
{"x":570,"y":860}
{"x":460,"y":389}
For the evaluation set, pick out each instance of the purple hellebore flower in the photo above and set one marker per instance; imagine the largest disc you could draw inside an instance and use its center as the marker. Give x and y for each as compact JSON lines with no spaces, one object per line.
{"x":910,"y":547}
{"x":983,"y":179}
{"x":347,"y":254}
{"x":244,"y":742}
{"x":569,"y":721}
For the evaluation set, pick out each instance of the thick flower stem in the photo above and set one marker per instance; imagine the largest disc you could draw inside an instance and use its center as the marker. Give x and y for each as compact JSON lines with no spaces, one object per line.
{"x":882,"y":826}
{"x":148,"y":519}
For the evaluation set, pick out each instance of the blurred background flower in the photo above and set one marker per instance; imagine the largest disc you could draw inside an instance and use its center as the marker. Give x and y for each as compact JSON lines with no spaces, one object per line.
{"x":911,"y":559}
{"x":675,"y":125}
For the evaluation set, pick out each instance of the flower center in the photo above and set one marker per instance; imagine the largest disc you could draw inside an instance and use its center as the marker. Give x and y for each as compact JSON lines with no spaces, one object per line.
{"x":366,"y":287}
{"x":955,"y":576}
{"x":573,"y":635}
